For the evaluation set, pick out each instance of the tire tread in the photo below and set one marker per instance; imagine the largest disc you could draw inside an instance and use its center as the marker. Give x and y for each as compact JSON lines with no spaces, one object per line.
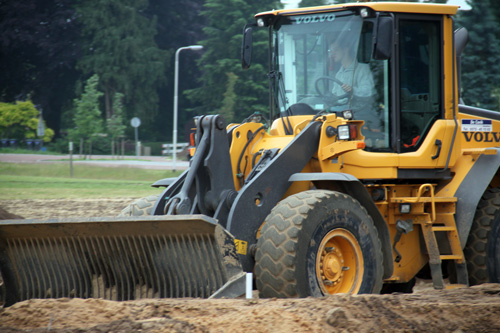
{"x":277,"y":246}
{"x":140,"y":207}
{"x":477,"y":243}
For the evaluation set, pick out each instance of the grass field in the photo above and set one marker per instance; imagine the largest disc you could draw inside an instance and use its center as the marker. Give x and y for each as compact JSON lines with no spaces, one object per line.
{"x":53,"y":181}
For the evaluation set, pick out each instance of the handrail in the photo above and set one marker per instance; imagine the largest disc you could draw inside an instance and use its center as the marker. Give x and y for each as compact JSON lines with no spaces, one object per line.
{"x":433,"y":202}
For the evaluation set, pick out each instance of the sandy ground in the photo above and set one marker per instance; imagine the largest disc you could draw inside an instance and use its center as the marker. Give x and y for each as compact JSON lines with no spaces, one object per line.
{"x":474,"y":309}
{"x":45,"y":209}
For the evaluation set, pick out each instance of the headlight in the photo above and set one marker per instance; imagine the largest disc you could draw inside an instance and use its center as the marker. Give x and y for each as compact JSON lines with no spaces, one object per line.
{"x":365,"y":12}
{"x":347,"y":114}
{"x":343,"y":132}
{"x":347,"y":132}
{"x":405,"y":208}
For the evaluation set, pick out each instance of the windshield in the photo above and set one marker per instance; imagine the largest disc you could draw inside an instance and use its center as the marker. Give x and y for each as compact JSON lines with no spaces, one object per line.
{"x":322,"y":63}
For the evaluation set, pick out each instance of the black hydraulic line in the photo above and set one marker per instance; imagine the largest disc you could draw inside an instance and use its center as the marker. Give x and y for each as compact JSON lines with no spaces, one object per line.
{"x":255,"y":157}
{"x":270,"y":67}
{"x":239,"y":174}
{"x":281,"y":90}
{"x":272,"y":76}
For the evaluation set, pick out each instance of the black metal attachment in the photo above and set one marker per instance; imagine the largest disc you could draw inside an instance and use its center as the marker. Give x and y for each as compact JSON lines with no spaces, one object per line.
{"x":402,"y":227}
{"x":207,"y":187}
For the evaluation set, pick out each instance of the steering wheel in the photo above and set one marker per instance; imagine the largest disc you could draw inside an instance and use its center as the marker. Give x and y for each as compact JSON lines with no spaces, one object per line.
{"x":327,"y":93}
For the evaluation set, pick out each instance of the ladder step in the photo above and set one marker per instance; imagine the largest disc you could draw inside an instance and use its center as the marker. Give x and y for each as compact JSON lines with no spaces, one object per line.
{"x":451,"y":257}
{"x":453,"y":286}
{"x":423,"y":199}
{"x":444,"y":228}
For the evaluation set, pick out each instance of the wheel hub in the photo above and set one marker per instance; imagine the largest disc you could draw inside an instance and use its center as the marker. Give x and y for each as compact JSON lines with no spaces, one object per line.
{"x":339,"y":263}
{"x":332,"y":265}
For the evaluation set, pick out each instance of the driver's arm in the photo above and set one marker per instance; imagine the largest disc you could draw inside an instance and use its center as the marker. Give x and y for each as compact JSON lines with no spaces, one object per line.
{"x":363,"y":81}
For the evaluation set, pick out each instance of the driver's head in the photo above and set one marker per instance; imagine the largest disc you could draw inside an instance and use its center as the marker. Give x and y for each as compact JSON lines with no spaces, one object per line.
{"x":341,"y":48}
{"x":337,"y":52}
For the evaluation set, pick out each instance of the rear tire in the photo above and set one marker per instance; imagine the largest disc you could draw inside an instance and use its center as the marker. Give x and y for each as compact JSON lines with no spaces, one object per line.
{"x":482,"y":250}
{"x":316,"y":243}
{"x":140,"y":207}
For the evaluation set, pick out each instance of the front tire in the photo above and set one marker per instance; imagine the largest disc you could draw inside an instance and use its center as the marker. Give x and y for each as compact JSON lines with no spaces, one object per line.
{"x":316,"y":243}
{"x":140,"y":207}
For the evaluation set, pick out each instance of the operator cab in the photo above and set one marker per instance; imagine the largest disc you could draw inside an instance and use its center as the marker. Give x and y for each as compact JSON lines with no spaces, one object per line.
{"x":349,"y":60}
{"x":320,"y":63}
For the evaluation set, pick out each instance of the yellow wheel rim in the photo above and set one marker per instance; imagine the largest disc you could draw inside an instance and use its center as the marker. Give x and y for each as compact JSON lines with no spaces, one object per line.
{"x":339,"y":263}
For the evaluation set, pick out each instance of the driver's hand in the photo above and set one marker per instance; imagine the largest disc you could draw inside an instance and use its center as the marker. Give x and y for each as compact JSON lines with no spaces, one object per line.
{"x":346,"y":87}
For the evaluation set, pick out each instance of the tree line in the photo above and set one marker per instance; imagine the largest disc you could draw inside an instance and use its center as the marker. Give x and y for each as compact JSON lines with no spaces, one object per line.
{"x":51,"y":50}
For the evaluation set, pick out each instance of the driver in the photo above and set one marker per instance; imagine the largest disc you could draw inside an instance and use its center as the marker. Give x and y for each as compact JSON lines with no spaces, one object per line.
{"x":356,"y":78}
{"x":357,"y":89}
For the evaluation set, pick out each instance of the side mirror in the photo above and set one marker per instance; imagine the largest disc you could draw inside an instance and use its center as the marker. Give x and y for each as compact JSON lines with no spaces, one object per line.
{"x":246,"y":48}
{"x":365,"y":46}
{"x":383,"y":38}
{"x":461,"y":39}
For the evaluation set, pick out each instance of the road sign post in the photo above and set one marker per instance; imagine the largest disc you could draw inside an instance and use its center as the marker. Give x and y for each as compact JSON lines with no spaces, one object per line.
{"x":71,"y":159}
{"x":136,"y":122}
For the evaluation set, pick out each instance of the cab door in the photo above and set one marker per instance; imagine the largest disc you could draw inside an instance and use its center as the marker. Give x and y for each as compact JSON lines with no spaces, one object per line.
{"x":421,"y":136}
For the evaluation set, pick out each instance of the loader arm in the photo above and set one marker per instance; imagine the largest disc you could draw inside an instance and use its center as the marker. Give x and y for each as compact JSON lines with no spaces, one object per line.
{"x":256,"y":199}
{"x":208,"y":188}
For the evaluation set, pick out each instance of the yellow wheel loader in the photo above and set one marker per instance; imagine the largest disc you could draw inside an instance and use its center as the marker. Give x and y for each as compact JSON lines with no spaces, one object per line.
{"x":369,"y":171}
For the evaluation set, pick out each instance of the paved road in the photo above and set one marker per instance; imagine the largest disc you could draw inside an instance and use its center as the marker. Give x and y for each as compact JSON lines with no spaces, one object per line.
{"x":143,"y":162}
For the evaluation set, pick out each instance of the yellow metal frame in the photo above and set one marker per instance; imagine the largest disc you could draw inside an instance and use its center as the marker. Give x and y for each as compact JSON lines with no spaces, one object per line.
{"x":396,"y":7}
{"x":432,"y":206}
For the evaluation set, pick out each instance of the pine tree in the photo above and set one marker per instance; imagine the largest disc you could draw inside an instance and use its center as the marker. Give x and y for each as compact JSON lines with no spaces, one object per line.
{"x":120,"y":47}
{"x":38,"y":52}
{"x":480,"y":66}
{"x":229,"y":101}
{"x":494,"y":6}
{"x":88,"y":118}
{"x":179,"y":24}
{"x":222,"y":55}
{"x":115,"y":125}
{"x":495,"y":9}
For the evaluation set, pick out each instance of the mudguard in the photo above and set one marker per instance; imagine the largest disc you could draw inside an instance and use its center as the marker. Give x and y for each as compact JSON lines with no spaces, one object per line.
{"x":353,"y":187}
{"x":471,"y":190}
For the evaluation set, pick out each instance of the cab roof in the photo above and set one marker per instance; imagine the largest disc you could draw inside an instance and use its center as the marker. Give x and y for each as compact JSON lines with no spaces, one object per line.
{"x":395,"y":7}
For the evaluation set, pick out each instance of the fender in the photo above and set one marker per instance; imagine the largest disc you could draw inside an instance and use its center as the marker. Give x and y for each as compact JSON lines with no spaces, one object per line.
{"x":165,"y":182}
{"x":352,"y":186}
{"x":471,"y":190}
{"x":173,"y":188}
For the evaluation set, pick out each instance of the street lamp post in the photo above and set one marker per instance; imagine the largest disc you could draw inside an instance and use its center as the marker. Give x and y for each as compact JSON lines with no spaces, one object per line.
{"x":176,"y":97}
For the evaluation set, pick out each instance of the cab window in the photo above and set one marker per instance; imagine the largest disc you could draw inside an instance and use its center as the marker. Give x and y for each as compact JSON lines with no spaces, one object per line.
{"x":420,"y":77}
